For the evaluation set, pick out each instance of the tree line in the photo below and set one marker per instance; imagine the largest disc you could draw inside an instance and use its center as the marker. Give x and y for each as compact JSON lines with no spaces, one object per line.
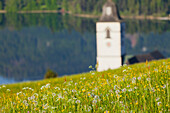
{"x":126,"y":7}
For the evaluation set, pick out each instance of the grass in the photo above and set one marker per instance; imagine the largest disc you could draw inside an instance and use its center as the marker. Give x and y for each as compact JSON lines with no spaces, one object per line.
{"x":136,"y":88}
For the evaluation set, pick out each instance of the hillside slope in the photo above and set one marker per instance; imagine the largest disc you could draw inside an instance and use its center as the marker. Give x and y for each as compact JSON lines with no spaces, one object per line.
{"x":136,"y":88}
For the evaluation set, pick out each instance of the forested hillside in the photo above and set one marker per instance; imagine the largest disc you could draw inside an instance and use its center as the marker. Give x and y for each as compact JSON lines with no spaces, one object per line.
{"x":127,"y":7}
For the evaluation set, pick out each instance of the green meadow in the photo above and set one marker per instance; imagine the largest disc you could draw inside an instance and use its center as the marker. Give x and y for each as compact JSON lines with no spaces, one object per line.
{"x":139,"y":88}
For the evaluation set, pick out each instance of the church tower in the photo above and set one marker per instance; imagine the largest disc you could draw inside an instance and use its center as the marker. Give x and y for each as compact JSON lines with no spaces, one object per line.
{"x":110,"y":38}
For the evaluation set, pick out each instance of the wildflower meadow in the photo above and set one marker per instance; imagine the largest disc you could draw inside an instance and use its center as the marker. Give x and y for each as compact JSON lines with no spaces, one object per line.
{"x":139,"y":88}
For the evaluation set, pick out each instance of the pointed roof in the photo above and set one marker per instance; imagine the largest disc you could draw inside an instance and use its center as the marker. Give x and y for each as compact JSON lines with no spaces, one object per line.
{"x":110,"y":12}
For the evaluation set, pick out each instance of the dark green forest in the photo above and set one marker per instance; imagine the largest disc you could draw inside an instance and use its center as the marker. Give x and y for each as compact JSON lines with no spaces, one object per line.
{"x":126,"y":7}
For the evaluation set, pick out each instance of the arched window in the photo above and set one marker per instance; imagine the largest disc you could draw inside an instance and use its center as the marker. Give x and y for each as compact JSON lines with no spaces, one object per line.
{"x":108,"y":33}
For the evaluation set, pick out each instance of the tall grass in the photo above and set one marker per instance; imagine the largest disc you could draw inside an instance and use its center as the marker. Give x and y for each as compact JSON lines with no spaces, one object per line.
{"x":137,"y":88}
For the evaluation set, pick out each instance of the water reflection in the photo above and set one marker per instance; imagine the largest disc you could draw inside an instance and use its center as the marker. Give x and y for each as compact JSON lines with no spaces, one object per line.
{"x":6,"y":81}
{"x":32,"y":43}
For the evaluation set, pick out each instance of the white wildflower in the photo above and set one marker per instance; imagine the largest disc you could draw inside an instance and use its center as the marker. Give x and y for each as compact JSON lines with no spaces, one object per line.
{"x":117,"y":91}
{"x":35,"y":103}
{"x":164,"y":87}
{"x":74,"y":90}
{"x":89,"y":108}
{"x":45,"y":106}
{"x":153,"y":89}
{"x":130,"y":90}
{"x":128,"y":86}
{"x":158,"y":103}
{"x":157,"y":99}
{"x":148,"y":79}
{"x":124,"y":70}
{"x":133,"y":81}
{"x":139,"y":78}
{"x":53,"y":107}
{"x":8,"y":90}
{"x":115,"y":76}
{"x":47,"y":85}
{"x":124,"y":90}
{"x":94,"y":101}
{"x":44,"y":97}
{"x":57,"y":88}
{"x":77,"y":101}
{"x":53,"y":94}
{"x":135,"y":87}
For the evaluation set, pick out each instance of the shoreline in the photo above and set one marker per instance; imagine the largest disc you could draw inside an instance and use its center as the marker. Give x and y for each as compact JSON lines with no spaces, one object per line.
{"x":139,"y":17}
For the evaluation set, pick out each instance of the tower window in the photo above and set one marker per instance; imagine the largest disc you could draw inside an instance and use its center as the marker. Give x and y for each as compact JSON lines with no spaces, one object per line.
{"x":108,"y":33}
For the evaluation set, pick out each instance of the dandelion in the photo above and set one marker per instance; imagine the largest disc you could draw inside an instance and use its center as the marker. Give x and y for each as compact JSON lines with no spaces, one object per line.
{"x":4,"y":86}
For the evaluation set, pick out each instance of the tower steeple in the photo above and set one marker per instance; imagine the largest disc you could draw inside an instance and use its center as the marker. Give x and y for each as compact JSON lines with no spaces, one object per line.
{"x":110,"y":34}
{"x":110,"y":12}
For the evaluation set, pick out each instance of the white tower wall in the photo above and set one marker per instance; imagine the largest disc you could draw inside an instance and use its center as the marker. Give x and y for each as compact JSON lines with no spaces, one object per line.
{"x":110,"y":50}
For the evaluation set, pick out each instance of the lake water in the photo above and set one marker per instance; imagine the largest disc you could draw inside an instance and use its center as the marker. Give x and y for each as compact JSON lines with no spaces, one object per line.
{"x":30,"y":44}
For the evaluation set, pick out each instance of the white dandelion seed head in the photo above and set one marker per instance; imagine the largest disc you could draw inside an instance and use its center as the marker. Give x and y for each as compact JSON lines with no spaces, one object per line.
{"x":159,"y":103}
{"x":117,"y":91}
{"x":130,"y":90}
{"x":57,"y":88}
{"x":8,"y":90}
{"x":139,"y":78}
{"x":164,"y":86}
{"x":148,"y":79}
{"x":77,"y":101}
{"x":157,"y":98}
{"x":124,"y":70}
